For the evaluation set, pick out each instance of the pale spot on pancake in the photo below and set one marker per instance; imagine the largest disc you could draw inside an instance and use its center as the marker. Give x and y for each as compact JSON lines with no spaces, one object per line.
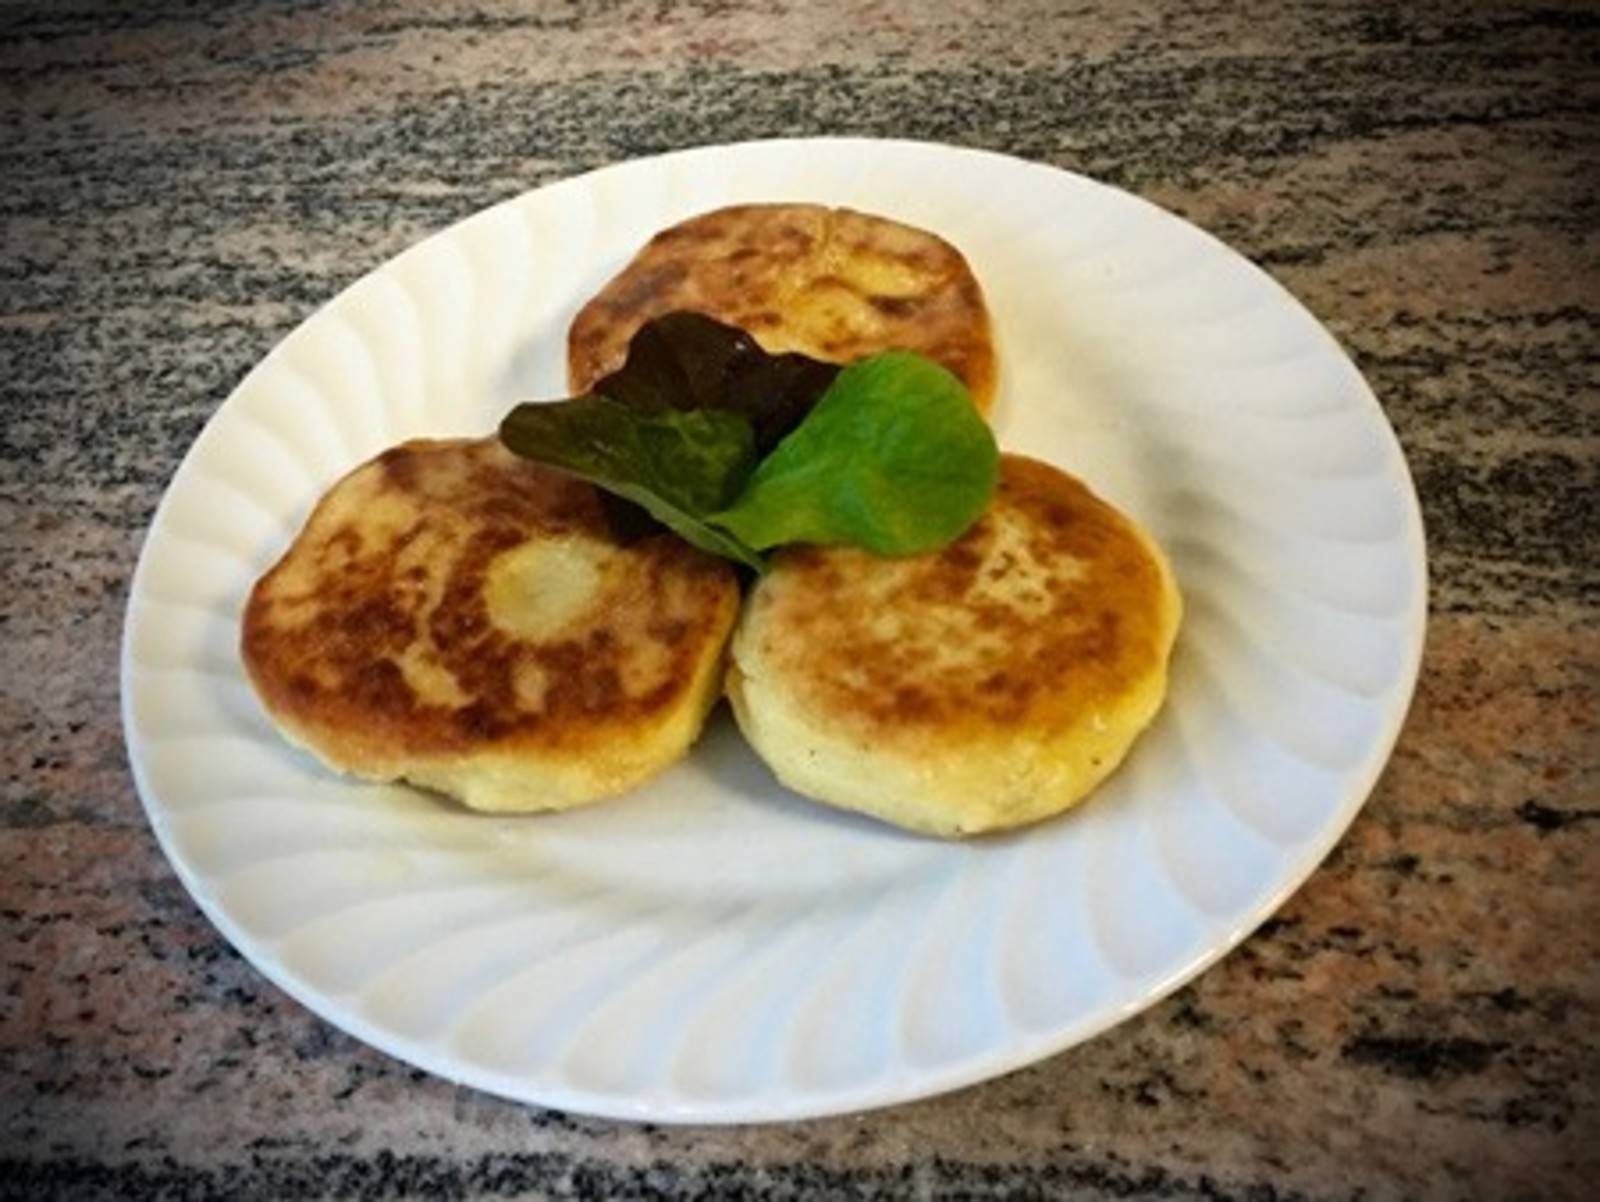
{"x":387,"y":516}
{"x":1019,"y":574}
{"x":539,"y":589}
{"x":323,"y":675}
{"x":532,"y":683}
{"x":887,"y":626}
{"x":432,"y":683}
{"x":880,"y":275}
{"x":648,"y":668}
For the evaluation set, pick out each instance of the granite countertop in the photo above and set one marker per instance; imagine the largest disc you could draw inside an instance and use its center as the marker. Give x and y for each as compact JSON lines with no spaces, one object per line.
{"x":182,"y":185}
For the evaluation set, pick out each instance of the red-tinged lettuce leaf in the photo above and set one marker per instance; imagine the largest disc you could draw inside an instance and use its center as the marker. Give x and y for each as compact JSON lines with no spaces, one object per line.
{"x":690,"y":361}
{"x":678,"y":465}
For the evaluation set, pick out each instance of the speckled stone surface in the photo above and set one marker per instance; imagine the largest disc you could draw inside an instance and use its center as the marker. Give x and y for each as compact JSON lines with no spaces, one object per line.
{"x":183,"y":184}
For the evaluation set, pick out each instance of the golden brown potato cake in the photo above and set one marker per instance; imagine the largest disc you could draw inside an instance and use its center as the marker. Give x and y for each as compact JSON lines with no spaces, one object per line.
{"x":458,"y":617}
{"x":984,"y":686}
{"x":833,"y":284}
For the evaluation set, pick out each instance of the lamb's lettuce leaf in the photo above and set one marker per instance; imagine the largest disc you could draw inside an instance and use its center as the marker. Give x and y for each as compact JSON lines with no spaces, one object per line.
{"x":893,"y":458}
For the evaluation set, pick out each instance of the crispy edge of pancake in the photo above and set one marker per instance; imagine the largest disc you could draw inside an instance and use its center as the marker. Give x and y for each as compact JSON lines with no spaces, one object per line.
{"x":753,"y":265}
{"x":504,"y":782}
{"x":522,"y":767}
{"x":918,"y":761}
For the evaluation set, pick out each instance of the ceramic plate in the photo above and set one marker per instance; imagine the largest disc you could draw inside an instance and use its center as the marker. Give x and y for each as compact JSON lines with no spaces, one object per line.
{"x":713,"y":947}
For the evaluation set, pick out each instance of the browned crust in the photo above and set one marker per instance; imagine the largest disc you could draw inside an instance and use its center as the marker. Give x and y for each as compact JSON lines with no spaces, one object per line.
{"x":1044,"y":632}
{"x":324,"y":628}
{"x":834,"y":284}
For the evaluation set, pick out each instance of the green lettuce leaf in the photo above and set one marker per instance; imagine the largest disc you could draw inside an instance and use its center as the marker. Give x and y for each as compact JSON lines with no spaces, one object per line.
{"x":894,"y":458}
{"x":678,"y":465}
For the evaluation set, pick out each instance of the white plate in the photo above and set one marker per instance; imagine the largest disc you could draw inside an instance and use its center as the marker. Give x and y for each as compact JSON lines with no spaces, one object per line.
{"x":711,"y":947}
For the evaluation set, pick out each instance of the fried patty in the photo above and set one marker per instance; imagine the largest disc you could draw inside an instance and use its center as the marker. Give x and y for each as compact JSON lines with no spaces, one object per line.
{"x":469,"y":621}
{"x":984,"y":686}
{"x":833,"y":284}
